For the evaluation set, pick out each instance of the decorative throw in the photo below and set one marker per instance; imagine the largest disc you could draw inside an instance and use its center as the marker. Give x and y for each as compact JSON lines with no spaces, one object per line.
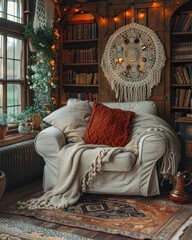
{"x":132,"y":62}
{"x":75,"y":173}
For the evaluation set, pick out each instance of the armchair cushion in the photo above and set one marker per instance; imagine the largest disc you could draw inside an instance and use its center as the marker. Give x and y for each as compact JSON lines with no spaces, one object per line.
{"x":71,"y":119}
{"x":108,"y":126}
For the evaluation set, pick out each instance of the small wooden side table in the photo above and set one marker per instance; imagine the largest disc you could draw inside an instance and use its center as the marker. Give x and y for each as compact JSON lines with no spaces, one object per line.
{"x":185,"y":126}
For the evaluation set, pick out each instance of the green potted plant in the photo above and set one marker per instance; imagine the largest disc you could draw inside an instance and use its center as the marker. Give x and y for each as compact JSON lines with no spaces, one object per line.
{"x":29,"y":120}
{"x":3,"y":124}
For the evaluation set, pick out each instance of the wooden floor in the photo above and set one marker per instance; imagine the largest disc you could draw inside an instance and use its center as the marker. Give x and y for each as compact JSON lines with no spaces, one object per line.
{"x":21,"y":193}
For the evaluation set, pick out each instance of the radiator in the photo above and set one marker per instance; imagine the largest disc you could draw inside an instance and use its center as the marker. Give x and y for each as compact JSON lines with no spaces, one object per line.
{"x":20,"y":163}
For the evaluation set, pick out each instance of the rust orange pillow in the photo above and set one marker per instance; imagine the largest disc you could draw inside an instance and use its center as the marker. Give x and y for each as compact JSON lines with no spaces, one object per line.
{"x":109,"y":126}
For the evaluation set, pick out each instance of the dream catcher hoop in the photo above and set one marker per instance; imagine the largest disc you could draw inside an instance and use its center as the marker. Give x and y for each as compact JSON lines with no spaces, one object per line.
{"x":132,"y":62}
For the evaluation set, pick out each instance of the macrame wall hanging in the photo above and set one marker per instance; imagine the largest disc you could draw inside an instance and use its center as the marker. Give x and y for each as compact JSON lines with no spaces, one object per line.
{"x":132,"y":62}
{"x":44,"y":13}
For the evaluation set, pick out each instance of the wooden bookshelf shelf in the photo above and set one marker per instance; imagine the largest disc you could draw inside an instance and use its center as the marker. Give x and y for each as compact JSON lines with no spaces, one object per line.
{"x":181,"y":108}
{"x":182,"y":85}
{"x":79,"y":41}
{"x":80,"y":85}
{"x":181,"y":33}
{"x":81,"y":64}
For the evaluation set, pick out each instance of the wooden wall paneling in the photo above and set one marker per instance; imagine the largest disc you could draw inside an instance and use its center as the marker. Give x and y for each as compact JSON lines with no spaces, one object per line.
{"x":158,"y":20}
{"x":106,"y":28}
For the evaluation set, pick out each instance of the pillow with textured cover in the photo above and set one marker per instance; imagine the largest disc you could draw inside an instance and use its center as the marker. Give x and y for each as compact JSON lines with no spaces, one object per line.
{"x":109,"y":126}
{"x":71,"y":119}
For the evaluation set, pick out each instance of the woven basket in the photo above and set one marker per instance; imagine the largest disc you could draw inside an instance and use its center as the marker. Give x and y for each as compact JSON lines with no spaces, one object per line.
{"x":2,"y":183}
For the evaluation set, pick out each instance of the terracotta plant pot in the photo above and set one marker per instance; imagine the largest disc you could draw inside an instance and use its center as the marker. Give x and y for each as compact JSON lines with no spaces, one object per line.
{"x":2,"y":183}
{"x":3,"y":131}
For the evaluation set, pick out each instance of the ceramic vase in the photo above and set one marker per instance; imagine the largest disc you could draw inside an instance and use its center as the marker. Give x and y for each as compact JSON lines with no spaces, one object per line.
{"x":3,"y":131}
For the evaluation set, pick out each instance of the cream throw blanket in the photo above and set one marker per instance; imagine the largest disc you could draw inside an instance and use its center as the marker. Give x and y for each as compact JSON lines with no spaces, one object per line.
{"x":75,"y":173}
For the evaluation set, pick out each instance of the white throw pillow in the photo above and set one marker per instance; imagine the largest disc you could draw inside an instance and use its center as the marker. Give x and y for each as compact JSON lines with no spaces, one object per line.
{"x":71,"y":119}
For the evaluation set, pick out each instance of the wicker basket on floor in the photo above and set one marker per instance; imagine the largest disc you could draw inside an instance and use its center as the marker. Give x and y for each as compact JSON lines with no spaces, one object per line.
{"x":2,"y":183}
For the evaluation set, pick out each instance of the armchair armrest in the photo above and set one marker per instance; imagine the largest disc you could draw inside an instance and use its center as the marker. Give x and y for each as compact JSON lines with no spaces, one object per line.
{"x":49,"y":141}
{"x":47,"y":144}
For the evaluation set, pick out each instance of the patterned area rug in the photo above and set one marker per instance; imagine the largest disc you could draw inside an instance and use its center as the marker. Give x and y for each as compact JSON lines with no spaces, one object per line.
{"x":14,"y":230}
{"x":139,"y":218}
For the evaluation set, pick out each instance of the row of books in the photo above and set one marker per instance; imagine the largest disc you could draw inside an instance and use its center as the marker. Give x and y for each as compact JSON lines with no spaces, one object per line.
{"x":72,"y":77}
{"x":80,"y":95}
{"x":88,"y":55}
{"x":183,"y":23}
{"x":182,"y":74}
{"x":182,"y":50}
{"x":80,"y":31}
{"x":183,"y":97}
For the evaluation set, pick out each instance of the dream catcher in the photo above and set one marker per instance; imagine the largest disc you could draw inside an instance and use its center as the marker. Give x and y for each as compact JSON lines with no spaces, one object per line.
{"x":132,"y":62}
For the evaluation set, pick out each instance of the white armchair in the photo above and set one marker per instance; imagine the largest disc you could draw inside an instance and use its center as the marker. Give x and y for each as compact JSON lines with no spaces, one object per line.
{"x":127,"y":173}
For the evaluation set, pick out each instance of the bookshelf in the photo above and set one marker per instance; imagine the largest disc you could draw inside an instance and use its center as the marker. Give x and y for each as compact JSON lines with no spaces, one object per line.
{"x":80,"y":58}
{"x":181,"y":62}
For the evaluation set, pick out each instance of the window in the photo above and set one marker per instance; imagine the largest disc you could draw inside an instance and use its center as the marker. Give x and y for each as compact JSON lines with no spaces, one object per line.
{"x":11,"y":56}
{"x":13,"y":10}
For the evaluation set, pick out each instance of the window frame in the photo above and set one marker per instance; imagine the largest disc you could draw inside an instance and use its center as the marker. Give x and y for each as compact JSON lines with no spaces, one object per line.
{"x":13,"y":29}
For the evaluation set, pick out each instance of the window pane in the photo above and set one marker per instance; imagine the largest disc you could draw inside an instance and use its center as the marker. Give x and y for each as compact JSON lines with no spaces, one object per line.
{"x":18,"y":48}
{"x":1,"y":8}
{"x":10,"y":47}
{"x":13,"y":98}
{"x":1,"y":68}
{"x":14,"y":55}
{"x":10,"y":69}
{"x":17,"y":74}
{"x":1,"y":56}
{"x":14,"y":10}
{"x":1,"y":97}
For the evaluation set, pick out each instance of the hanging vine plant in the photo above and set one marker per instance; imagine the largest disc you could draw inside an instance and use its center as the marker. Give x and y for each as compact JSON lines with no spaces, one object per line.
{"x":41,"y":38}
{"x":39,"y":76}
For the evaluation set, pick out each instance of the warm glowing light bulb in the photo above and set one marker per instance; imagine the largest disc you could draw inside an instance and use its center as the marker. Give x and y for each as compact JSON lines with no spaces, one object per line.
{"x":52,"y":82}
{"x":127,"y":13}
{"x":52,"y":62}
{"x":141,"y":14}
{"x":115,"y":19}
{"x":53,"y":47}
{"x":103,"y":20}
{"x":155,"y":4}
